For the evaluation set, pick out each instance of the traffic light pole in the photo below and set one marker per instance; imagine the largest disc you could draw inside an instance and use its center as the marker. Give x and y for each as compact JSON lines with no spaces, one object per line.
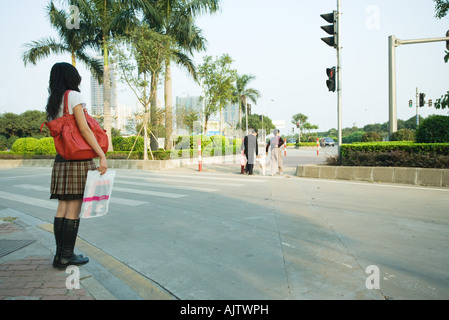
{"x":339,"y":77}
{"x":417,"y":108}
{"x":394,"y":42}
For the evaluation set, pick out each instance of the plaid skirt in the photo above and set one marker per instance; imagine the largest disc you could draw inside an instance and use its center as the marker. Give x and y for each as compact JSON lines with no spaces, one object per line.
{"x":68,"y":178}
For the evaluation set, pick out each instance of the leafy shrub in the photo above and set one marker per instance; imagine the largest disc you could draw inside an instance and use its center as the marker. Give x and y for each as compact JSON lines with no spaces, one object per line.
{"x":3,"y":143}
{"x":353,"y":137}
{"x":219,"y":141}
{"x":371,"y":136}
{"x":397,"y":154}
{"x":126,"y":144}
{"x":434,"y":129}
{"x":46,"y":146}
{"x":403,"y":135}
{"x":191,"y":142}
{"x":25,"y":145}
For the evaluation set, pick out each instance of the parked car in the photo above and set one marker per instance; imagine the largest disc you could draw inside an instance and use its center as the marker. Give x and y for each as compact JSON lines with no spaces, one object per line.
{"x":329,"y":142}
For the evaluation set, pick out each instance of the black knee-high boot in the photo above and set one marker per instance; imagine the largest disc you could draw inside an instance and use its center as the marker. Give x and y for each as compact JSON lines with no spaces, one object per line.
{"x":69,"y":234}
{"x":57,"y":230}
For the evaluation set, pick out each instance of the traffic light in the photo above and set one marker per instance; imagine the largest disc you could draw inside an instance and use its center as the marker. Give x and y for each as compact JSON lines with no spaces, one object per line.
{"x":331,"y":83}
{"x":410,"y":103}
{"x":430,"y":103}
{"x":422,"y":96}
{"x":331,"y":29}
{"x":297,"y":124}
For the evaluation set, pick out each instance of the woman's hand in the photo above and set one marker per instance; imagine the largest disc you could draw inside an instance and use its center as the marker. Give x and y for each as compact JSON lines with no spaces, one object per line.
{"x":103,"y":166}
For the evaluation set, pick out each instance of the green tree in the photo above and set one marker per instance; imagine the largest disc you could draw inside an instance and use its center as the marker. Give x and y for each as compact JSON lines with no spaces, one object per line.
{"x":243,"y":93}
{"x":74,"y":41}
{"x":178,"y":22}
{"x":111,"y":18}
{"x":186,"y":117}
{"x":217,"y":78}
{"x":255,"y":122}
{"x":302,"y":120}
{"x":10,"y":125}
{"x":148,"y":50}
{"x":434,"y":129}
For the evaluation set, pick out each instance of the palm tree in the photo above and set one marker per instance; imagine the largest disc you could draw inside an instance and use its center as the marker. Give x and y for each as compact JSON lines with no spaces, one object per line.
{"x":243,"y":93}
{"x":178,"y":22}
{"x":72,"y":41}
{"x":109,"y":19}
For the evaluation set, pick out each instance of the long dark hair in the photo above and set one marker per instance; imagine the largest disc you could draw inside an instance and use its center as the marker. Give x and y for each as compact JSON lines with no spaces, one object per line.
{"x":63,"y":77}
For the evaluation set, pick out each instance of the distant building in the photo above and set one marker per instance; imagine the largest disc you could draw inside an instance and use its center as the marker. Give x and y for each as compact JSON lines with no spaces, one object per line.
{"x":121,"y":116}
{"x":188,"y":102}
{"x":230,"y":114}
{"x":97,"y":106}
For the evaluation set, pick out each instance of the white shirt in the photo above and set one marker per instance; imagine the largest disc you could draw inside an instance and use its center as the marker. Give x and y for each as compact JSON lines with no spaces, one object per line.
{"x":75,"y":98}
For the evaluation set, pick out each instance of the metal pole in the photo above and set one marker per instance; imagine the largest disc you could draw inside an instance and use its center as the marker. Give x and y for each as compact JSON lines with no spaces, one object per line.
{"x":339,"y":75}
{"x":415,"y":41}
{"x":392,"y":84}
{"x":393,"y":42}
{"x":417,"y":106}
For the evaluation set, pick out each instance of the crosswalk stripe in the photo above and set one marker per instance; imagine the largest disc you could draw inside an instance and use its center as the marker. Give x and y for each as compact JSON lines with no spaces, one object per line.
{"x":153,"y":179}
{"x":164,"y":186}
{"x":115,"y":200}
{"x":252,"y":179}
{"x":47,"y":204}
{"x":149,"y":193}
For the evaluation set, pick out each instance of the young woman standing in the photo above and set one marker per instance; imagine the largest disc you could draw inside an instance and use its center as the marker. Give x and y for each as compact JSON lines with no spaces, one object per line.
{"x":68,"y":178}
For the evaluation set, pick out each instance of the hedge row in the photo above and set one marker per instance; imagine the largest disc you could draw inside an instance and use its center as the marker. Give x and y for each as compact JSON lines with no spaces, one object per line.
{"x":31,"y":148}
{"x":396,"y":154}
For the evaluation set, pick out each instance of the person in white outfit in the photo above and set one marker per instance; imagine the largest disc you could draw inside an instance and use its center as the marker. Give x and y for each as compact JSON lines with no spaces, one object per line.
{"x":276,"y":143}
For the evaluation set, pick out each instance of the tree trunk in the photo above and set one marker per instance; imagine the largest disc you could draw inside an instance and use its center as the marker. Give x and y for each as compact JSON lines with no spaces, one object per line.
{"x":107,"y":98}
{"x":153,"y":113}
{"x":240,"y":114}
{"x":221,"y":120}
{"x":107,"y":106}
{"x":245,"y":103}
{"x":168,"y":106}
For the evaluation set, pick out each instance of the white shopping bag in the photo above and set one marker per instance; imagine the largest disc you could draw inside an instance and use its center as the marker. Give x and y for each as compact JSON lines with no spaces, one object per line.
{"x":97,"y":194}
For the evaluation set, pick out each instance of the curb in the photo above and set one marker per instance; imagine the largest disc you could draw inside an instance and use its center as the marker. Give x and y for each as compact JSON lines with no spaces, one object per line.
{"x":412,"y":176}
{"x":130,"y":164}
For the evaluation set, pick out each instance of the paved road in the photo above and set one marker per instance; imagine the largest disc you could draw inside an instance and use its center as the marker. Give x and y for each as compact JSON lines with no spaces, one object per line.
{"x":221,"y":235}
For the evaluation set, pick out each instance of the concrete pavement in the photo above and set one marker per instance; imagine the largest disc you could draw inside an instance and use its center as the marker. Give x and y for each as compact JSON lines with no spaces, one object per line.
{"x":236,"y":237}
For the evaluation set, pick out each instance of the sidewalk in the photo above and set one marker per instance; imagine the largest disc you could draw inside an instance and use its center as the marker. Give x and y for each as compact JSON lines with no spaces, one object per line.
{"x":26,"y":271}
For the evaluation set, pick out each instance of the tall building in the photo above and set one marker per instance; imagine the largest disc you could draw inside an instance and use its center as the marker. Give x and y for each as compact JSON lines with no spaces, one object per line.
{"x":230,"y":113}
{"x":188,"y":102}
{"x":97,"y":106}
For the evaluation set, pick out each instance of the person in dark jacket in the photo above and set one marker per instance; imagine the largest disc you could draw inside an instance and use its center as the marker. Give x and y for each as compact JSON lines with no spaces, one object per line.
{"x":251,"y":147}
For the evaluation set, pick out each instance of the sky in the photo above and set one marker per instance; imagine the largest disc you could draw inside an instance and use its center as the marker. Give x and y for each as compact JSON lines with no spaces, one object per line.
{"x":278,"y":42}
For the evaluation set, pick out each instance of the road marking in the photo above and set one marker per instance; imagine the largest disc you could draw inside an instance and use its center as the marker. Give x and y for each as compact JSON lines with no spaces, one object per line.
{"x":115,"y":200}
{"x":253,"y":179}
{"x":149,"y":193}
{"x":27,"y":177}
{"x":47,"y":204}
{"x":159,"y":185}
{"x":148,"y":178}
